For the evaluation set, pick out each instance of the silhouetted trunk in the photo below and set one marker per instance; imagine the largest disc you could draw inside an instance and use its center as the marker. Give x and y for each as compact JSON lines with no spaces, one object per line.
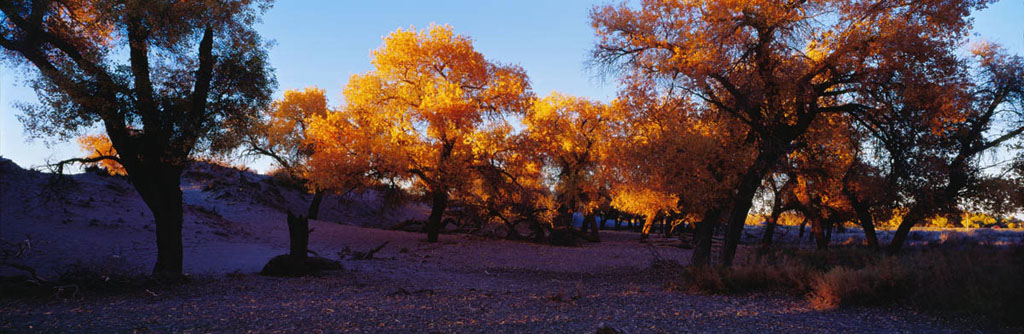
{"x":667,"y":227}
{"x":648,"y":222}
{"x":867,"y":223}
{"x":702,"y":235}
{"x":803,"y":225}
{"x":591,"y":221}
{"x":771,"y":151}
{"x":439,"y":201}
{"x":564,"y":217}
{"x":957,"y":181}
{"x":298,"y":235}
{"x":738,"y":215}
{"x":314,"y":207}
{"x":819,"y":233}
{"x":829,"y":226}
{"x":160,"y":188}
{"x":538,"y":232}
{"x":916,"y":213}
{"x":769,"y":228}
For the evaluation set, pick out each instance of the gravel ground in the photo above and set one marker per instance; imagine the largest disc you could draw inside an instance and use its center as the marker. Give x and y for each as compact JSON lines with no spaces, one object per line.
{"x":461,"y":285}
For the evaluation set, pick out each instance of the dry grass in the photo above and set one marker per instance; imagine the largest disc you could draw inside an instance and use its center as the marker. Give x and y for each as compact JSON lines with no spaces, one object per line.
{"x":963,"y":280}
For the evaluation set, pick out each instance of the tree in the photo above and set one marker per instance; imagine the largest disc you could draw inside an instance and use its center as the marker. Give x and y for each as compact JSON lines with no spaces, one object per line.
{"x":425,"y":106}
{"x":566,"y":133}
{"x":193,"y":73}
{"x":645,"y":202}
{"x":665,"y":143}
{"x":987,"y":110}
{"x":280,"y":134}
{"x":775,"y":66}
{"x":510,"y":186}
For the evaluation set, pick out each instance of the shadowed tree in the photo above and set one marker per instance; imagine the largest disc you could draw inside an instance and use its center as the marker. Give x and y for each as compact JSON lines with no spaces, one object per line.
{"x":775,"y":66}
{"x":980,"y":113}
{"x":165,"y":80}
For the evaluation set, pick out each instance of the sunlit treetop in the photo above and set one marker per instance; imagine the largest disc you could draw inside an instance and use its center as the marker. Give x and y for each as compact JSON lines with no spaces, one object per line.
{"x":570,"y":135}
{"x":281,"y":131}
{"x":429,"y":102}
{"x":774,"y":64}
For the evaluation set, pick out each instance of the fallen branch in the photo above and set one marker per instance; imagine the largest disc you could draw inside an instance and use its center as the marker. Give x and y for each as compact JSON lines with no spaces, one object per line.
{"x":349,"y":254}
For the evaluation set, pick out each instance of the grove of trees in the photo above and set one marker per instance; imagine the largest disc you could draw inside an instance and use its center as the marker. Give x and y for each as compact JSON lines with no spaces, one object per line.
{"x":841,"y":111}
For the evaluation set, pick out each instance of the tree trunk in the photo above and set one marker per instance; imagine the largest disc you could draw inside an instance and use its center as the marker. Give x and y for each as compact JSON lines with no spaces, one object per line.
{"x":803,"y":225}
{"x":438,"y":204}
{"x":769,"y":228}
{"x":591,"y":220}
{"x":648,"y":222}
{"x":667,"y":227}
{"x":538,"y":232}
{"x":160,"y":188}
{"x":819,"y":233}
{"x":702,"y":235}
{"x":738,"y":215}
{"x":169,"y":217}
{"x":957,"y":181}
{"x":830,"y":227}
{"x":867,"y":223}
{"x":298,"y":235}
{"x":314,"y":207}
{"x":916,"y":213}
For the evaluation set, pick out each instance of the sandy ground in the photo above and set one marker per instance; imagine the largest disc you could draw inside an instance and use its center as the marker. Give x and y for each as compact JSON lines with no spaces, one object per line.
{"x":462,"y":284}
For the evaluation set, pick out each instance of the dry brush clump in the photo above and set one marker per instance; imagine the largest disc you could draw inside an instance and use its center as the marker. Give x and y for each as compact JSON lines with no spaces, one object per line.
{"x":966,"y":280}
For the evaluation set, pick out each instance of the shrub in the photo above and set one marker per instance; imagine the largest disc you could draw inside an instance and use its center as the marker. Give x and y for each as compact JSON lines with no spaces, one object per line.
{"x":878,"y":283}
{"x":956,"y":278}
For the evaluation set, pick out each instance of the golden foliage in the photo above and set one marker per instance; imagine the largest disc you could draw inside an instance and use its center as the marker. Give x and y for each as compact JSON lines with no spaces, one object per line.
{"x":424,"y":112}
{"x":99,"y":146}
{"x":642,"y":201}
{"x":569,"y":134}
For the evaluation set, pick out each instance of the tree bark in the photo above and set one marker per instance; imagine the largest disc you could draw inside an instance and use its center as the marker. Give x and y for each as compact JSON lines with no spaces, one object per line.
{"x":591,"y":220}
{"x":667,"y":226}
{"x":829,"y":226}
{"x":738,"y":215}
{"x":314,"y":207}
{"x":161,"y":191}
{"x":957,"y":181}
{"x":703,"y":233}
{"x":867,"y":223}
{"x":648,"y":223}
{"x":819,"y":233}
{"x":439,"y":201}
{"x":900,"y":237}
{"x":769,"y":228}
{"x":298,"y":235}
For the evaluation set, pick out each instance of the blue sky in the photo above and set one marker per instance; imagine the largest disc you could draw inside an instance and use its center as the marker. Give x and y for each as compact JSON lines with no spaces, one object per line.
{"x":322,"y":43}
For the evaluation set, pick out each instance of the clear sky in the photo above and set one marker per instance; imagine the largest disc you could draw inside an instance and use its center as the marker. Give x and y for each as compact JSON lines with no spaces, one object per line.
{"x":322,"y":43}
